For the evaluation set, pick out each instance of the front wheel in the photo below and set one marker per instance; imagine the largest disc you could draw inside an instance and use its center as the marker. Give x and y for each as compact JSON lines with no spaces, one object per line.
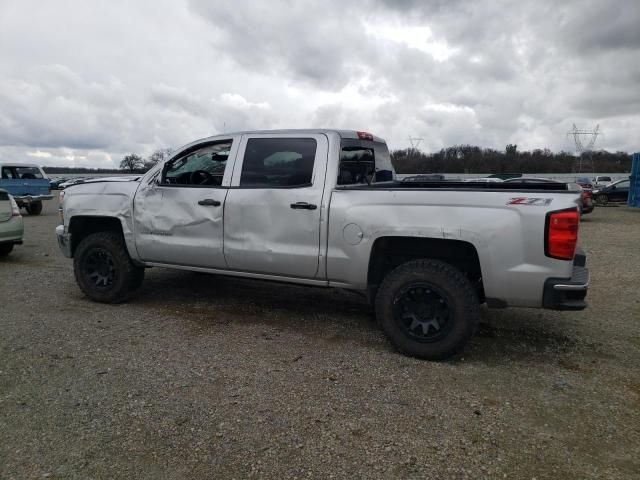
{"x":427,"y":308}
{"x":602,"y":199}
{"x":103,"y":269}
{"x":5,"y":249}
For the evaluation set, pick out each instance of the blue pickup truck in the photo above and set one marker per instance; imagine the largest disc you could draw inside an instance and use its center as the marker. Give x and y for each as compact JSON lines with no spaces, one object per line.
{"x":27,"y":183}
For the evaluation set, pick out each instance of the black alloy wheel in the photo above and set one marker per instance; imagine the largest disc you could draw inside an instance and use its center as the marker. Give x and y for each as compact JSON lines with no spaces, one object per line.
{"x":100,"y":269}
{"x":422,"y":312}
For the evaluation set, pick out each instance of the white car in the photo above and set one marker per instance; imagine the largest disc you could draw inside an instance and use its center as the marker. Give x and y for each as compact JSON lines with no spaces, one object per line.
{"x":601,"y":181}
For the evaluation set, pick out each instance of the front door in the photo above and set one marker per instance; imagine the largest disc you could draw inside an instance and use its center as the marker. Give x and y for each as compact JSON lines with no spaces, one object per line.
{"x":273,"y":209}
{"x":619,"y":192}
{"x":178,"y":215}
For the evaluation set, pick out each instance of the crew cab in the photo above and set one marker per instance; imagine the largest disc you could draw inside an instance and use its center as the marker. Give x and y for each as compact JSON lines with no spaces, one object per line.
{"x":28,"y":185}
{"x":322,"y":208}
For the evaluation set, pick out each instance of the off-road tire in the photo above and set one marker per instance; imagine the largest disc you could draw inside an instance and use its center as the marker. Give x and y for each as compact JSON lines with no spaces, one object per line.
{"x":5,"y":249}
{"x":34,"y":208}
{"x":127,"y":277}
{"x":461,"y":299}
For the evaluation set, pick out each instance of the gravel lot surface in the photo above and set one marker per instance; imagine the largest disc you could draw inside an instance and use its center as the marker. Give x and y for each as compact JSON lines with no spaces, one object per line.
{"x":209,"y":377}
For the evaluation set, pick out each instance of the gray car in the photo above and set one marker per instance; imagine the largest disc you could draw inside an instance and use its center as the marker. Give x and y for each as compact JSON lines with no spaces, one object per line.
{"x":11,"y":227}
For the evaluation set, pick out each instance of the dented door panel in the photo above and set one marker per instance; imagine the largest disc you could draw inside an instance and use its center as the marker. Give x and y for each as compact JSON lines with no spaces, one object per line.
{"x":173,"y":228}
{"x":180,"y":224}
{"x":264,"y":233}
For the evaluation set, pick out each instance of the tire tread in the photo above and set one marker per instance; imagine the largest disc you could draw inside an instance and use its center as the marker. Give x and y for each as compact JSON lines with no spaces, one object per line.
{"x":464,"y":293}
{"x":131,"y":274}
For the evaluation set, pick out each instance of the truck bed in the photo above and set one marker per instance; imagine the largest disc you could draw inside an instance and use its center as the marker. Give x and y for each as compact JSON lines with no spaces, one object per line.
{"x":466,"y":186}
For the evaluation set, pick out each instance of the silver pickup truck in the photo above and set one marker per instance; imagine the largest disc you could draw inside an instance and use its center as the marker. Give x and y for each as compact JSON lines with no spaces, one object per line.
{"x":323,"y":208}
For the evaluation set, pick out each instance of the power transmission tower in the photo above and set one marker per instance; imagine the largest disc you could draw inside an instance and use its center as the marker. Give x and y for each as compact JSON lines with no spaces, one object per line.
{"x":415,"y":143}
{"x":584,"y":147}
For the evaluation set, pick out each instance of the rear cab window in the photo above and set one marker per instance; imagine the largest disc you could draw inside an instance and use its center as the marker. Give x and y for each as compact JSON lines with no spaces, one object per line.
{"x":363,"y":162}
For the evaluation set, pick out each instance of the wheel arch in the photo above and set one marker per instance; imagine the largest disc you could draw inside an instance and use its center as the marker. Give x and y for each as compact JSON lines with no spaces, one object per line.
{"x":389,"y":252}
{"x":80,"y":226}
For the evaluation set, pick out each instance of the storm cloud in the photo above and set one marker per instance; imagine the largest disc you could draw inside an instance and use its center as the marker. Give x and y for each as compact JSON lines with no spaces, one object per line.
{"x":83,"y":83}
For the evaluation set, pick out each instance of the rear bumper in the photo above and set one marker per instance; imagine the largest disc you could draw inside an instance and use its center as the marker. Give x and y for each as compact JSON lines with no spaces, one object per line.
{"x":568,"y":293}
{"x":64,"y":241}
{"x":22,"y":200}
{"x":11,"y":231}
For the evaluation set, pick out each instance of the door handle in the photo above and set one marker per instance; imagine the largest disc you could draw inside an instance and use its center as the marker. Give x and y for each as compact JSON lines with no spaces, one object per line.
{"x":303,"y":206}
{"x":209,"y":202}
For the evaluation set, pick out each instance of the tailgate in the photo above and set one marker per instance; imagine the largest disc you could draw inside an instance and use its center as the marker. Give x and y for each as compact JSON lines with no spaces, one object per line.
{"x":20,"y":187}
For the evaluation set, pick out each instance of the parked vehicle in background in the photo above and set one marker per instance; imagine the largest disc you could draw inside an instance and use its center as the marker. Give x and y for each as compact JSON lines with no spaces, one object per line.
{"x":323,"y":208}
{"x":55,"y":183}
{"x":614,"y":192}
{"x":28,"y":185}
{"x":504,"y":176}
{"x":72,"y":181}
{"x":585,"y":182}
{"x":11,"y":227}
{"x":601,"y":181}
{"x":527,"y":180}
{"x":586,"y":200}
{"x":483,"y":180}
{"x":430,"y":177}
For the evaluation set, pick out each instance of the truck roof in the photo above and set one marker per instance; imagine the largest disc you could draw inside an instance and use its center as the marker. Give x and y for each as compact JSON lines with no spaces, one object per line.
{"x":18,"y":164}
{"x":341,"y":133}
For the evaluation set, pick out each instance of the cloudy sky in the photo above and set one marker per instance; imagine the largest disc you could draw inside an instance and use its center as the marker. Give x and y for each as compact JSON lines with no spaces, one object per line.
{"x":85,"y":82}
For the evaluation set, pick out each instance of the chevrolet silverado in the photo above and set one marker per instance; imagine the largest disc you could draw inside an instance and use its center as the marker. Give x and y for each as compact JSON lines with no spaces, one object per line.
{"x":323,"y":208}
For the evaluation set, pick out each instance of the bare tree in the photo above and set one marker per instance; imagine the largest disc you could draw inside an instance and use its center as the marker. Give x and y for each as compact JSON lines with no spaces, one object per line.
{"x":131,"y":162}
{"x":159,"y":155}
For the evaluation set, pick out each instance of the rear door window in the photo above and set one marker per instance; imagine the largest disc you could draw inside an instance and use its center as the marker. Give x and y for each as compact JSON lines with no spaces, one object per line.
{"x":278,"y":163}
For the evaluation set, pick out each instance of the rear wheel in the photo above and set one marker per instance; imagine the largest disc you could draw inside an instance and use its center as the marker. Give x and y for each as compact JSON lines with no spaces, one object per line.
{"x":103,"y":269}
{"x":5,"y":249}
{"x":427,"y":309}
{"x":34,"y":208}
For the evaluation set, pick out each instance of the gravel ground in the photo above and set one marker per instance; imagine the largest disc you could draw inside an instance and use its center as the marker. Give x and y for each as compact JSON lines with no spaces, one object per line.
{"x":209,"y":377}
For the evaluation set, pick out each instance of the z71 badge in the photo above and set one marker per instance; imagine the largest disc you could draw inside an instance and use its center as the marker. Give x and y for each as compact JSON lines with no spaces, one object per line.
{"x":533,"y":201}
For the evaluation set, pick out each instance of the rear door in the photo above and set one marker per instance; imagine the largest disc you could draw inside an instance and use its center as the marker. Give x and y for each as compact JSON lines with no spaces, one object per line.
{"x":178,"y":214}
{"x":273,"y":208}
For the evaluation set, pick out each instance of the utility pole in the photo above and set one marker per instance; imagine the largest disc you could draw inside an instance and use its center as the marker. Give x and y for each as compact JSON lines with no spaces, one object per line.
{"x":590,"y":137}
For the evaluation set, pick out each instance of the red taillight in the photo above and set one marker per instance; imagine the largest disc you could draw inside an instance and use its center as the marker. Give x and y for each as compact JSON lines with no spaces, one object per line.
{"x":364,"y":136}
{"x":586,"y":194}
{"x":562,"y":234}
